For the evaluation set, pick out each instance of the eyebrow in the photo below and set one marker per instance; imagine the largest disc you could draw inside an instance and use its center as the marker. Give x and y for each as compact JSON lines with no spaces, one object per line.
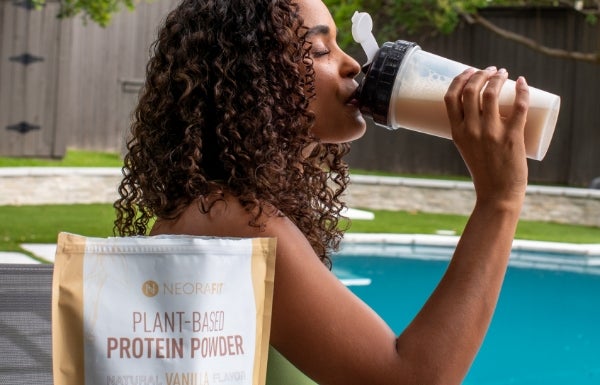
{"x":319,"y":29}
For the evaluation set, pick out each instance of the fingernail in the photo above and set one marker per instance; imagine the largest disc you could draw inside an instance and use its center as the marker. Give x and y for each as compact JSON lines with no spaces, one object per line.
{"x":491,"y":68}
{"x":522,"y":80}
{"x":502,"y":71}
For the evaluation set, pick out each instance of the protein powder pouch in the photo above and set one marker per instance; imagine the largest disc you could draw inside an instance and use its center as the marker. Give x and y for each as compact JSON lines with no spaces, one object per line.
{"x":161,"y":310}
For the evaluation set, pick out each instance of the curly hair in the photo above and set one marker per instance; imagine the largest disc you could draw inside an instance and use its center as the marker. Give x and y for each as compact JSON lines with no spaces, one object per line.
{"x":224,"y":109}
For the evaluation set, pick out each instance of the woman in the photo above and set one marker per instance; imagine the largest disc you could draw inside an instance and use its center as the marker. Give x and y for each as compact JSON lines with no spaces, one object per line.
{"x":240,"y":132}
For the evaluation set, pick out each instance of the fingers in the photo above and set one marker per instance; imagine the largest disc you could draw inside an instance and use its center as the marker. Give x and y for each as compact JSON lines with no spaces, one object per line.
{"x":453,"y":97}
{"x":491,"y":145}
{"x":472,"y":94}
{"x":521,"y":105}
{"x":490,"y":108}
{"x":472,"y":100}
{"x":464,"y":98}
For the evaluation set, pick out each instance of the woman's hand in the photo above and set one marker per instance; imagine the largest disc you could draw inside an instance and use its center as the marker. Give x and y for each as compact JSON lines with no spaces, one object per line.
{"x":492,"y":146}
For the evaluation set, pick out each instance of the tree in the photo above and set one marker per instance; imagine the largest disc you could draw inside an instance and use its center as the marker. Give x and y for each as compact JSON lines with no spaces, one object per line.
{"x":99,"y":11}
{"x":394,"y":18}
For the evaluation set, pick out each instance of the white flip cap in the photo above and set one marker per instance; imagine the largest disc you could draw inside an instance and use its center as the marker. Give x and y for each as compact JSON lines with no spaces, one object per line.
{"x":362,"y":27}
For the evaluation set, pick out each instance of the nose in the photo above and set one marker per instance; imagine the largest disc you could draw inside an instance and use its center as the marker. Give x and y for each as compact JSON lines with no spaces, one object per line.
{"x":350,"y":67}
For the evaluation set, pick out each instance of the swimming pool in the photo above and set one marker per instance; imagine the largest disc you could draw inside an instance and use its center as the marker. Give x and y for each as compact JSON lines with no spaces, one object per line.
{"x":546,"y":329}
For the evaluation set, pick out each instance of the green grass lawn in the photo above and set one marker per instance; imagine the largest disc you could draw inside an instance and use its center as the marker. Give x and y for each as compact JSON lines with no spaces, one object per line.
{"x":425,"y":223}
{"x":73,"y":158}
{"x":41,"y":224}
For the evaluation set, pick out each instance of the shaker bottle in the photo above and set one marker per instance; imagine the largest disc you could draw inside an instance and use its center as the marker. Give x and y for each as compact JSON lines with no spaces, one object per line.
{"x":404,"y":86}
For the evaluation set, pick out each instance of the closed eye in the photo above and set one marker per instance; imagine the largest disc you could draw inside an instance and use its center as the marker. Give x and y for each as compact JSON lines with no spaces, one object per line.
{"x":320,"y":53}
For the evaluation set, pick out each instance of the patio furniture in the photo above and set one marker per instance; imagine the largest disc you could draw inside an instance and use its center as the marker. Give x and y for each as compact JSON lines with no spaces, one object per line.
{"x":25,"y":324}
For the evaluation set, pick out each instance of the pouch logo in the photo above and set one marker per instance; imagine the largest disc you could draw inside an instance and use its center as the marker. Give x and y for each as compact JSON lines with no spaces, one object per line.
{"x":150,"y":288}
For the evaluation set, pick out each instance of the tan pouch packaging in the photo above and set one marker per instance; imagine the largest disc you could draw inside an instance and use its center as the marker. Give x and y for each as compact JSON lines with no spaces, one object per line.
{"x":162,"y":310}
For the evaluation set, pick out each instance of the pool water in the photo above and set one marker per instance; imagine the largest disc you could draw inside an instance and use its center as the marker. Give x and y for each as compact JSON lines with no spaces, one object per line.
{"x":546,"y":329}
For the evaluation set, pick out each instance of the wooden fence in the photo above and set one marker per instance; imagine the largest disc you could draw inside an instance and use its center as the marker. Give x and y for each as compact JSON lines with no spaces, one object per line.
{"x":68,"y":83}
{"x":29,"y":80}
{"x":64,"y":83}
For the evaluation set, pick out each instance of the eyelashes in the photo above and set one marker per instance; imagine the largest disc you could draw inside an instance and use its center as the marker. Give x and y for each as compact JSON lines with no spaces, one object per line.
{"x":319,"y":53}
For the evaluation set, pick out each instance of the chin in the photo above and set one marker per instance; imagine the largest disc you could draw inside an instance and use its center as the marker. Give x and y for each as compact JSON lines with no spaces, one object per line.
{"x":346,"y":136}
{"x":358,"y":130}
{"x":337,"y":132}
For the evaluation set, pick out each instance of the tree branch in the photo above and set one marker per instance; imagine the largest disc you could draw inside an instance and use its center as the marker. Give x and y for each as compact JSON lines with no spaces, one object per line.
{"x":555,"y":52}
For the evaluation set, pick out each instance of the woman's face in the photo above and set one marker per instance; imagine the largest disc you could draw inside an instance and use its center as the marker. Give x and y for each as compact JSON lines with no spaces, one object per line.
{"x":338,"y":119}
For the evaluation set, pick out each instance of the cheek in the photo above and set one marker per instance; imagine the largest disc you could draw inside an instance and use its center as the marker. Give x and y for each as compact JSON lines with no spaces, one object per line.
{"x":324,"y":81}
{"x":322,"y":124}
{"x":325,"y":102}
{"x":334,"y":122}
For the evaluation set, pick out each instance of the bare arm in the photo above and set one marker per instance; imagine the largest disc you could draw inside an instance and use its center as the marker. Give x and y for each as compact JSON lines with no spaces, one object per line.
{"x":330,"y":334}
{"x":337,"y":340}
{"x":462,"y":305}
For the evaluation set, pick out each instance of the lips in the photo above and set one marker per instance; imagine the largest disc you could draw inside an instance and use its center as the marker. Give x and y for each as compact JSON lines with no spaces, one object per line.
{"x":353,"y":98}
{"x":352,"y":102}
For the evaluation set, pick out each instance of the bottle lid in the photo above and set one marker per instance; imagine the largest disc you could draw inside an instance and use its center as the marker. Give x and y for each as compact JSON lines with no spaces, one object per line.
{"x":375,"y":91}
{"x":362,"y":27}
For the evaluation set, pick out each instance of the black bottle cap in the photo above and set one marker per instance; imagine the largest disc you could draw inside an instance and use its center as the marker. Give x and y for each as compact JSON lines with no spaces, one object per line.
{"x":375,"y":90}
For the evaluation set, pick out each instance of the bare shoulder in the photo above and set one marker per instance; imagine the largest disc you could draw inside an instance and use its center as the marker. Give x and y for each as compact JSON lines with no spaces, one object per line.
{"x":317,"y":323}
{"x":227,"y":218}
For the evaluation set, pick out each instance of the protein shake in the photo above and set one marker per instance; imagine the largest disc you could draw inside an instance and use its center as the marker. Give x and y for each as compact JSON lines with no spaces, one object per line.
{"x":404,"y":86}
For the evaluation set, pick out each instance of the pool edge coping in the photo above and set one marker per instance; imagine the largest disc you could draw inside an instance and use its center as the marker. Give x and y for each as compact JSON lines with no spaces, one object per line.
{"x":591,"y":249}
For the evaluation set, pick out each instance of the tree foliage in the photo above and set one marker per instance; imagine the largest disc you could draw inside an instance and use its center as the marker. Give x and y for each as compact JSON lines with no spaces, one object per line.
{"x":394,"y":18}
{"x":98,"y":11}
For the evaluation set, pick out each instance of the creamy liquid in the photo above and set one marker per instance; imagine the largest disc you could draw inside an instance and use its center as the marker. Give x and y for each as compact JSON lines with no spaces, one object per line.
{"x":418,"y":101}
{"x":430,"y":117}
